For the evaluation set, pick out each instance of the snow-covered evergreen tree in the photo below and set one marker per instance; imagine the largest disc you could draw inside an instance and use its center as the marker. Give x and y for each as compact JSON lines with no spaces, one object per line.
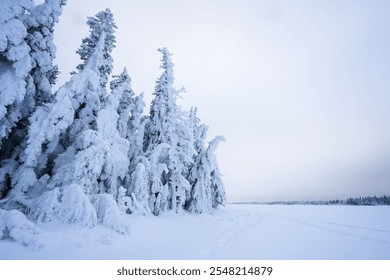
{"x":136,"y":127}
{"x":218,"y":195}
{"x":98,"y":159}
{"x":95,"y":51}
{"x":135,"y":134}
{"x":136,"y":183}
{"x":56,"y":125}
{"x":16,"y":101}
{"x":168,"y":126}
{"x":15,"y":66}
{"x":96,"y":156}
{"x":122,"y":83}
{"x":30,"y":52}
{"x":102,"y":23}
{"x":116,"y":147}
{"x":123,"y":200}
{"x":199,"y":176}
{"x":26,"y":64}
{"x":159,"y":189}
{"x":139,"y":190}
{"x":207,"y":189}
{"x":40,"y":29}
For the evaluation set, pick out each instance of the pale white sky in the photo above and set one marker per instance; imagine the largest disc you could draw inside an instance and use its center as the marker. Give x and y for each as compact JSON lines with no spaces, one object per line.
{"x":300,"y":89}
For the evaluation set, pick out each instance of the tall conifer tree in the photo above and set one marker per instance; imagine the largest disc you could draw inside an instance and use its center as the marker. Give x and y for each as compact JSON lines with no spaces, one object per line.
{"x":167,"y":126}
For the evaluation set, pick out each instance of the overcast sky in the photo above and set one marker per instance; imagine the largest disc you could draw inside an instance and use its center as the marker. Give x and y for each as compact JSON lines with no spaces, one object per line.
{"x":300,"y":89}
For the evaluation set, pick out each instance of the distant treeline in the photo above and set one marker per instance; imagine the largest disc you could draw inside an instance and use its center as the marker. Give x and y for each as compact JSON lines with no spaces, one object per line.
{"x":366,"y":200}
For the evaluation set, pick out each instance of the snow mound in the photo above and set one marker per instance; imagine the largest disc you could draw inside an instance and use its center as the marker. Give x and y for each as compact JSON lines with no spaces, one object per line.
{"x":15,"y":226}
{"x":47,"y":206}
{"x":110,"y":215}
{"x":76,"y":208}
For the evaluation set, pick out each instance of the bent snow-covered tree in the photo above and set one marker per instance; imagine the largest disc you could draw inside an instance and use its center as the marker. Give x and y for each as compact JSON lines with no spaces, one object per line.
{"x":218,"y":195}
{"x":168,"y":126}
{"x":207,"y":189}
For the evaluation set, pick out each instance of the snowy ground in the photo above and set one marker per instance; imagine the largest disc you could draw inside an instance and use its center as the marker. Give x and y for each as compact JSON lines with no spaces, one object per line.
{"x":234,"y":232}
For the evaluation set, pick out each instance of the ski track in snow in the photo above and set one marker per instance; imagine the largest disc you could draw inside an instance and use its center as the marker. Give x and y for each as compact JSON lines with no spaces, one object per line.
{"x":237,"y":225}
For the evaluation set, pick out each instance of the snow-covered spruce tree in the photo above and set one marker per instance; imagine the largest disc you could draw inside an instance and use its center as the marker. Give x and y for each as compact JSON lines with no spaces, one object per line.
{"x":122,"y":83}
{"x":159,"y":189}
{"x":199,"y":176}
{"x":101,"y":165}
{"x":29,"y":74}
{"x":27,"y":52}
{"x":218,"y":195}
{"x":40,"y":29}
{"x":140,"y":190}
{"x":131,"y":122}
{"x":207,"y":189}
{"x":116,"y":165}
{"x":15,"y":102}
{"x":15,"y":66}
{"x":168,"y":126}
{"x":55,"y":125}
{"x":138,"y":183}
{"x":26,"y":76}
{"x":131,"y":127}
{"x":95,"y":52}
{"x":103,"y":22}
{"x":96,"y":157}
{"x":136,"y":128}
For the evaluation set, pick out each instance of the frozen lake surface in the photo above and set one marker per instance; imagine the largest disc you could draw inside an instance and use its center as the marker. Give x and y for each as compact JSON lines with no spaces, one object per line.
{"x":234,"y":232}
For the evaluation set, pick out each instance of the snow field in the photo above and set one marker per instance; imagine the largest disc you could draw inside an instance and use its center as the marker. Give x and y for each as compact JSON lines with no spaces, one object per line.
{"x":234,"y":232}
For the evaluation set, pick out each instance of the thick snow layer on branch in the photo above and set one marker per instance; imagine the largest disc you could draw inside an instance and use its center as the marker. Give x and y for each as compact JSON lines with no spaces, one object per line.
{"x":8,"y":8}
{"x":12,"y":88}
